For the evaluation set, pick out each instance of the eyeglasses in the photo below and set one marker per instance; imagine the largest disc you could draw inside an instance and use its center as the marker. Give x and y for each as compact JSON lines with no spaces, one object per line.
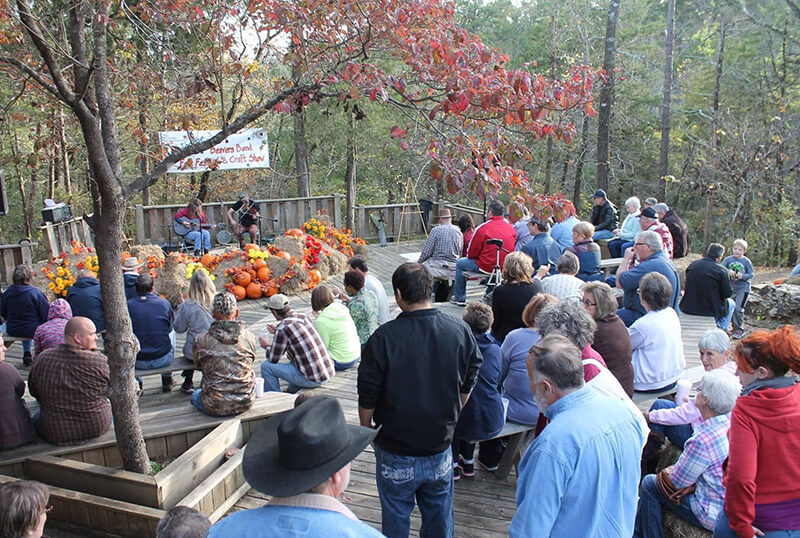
{"x":587,"y":302}
{"x":641,"y":245}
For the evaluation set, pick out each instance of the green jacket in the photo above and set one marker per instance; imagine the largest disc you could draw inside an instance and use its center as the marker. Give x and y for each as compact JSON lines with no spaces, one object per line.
{"x":338,"y":333}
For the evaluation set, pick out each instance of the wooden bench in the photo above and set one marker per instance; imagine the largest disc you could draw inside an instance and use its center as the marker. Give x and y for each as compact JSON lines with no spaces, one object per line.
{"x":608,"y":264}
{"x":519,"y":436}
{"x":694,"y":374}
{"x":178,"y":364}
{"x":8,"y":340}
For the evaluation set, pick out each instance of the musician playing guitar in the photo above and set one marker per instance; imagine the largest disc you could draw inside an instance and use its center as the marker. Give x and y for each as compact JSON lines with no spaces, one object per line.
{"x":249,"y":215}
{"x":190,"y":223}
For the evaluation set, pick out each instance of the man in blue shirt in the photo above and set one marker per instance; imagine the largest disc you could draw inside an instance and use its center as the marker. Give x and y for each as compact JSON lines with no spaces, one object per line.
{"x":302,"y":459}
{"x":649,"y":251}
{"x":151,"y":318}
{"x":542,"y":249}
{"x":580,"y":476}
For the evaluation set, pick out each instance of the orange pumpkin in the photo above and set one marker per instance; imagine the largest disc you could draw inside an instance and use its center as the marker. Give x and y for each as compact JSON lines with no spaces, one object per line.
{"x":250,"y":246}
{"x":294,"y":232}
{"x":272,"y":289}
{"x":239,"y":292}
{"x":263,"y":274}
{"x":207,"y":260}
{"x":315,"y":275}
{"x":283,"y":254}
{"x":779,"y":281}
{"x":259,"y":263}
{"x":125,"y":256}
{"x":242,"y":278}
{"x":253,"y":290}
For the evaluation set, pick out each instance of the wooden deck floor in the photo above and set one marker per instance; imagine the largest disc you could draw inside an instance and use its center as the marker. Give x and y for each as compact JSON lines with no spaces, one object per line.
{"x":484,"y":505}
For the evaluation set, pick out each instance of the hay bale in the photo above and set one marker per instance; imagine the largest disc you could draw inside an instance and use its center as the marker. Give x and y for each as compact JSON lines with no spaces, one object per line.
{"x":292,"y":245}
{"x":361,"y":251}
{"x":323,"y":266}
{"x":277,"y":266}
{"x":145,"y":251}
{"x":171,"y":281}
{"x":337,"y":262}
{"x":297,"y":282}
{"x":682,"y":263}
{"x":675,"y":527}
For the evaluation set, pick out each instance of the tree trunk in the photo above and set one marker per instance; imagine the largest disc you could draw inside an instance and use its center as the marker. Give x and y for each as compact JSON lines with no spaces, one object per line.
{"x":548,"y":162}
{"x":350,"y":171}
{"x":301,"y":153}
{"x":607,"y":96}
{"x":64,"y":153}
{"x":714,"y":139}
{"x":576,"y":191}
{"x":663,"y":162}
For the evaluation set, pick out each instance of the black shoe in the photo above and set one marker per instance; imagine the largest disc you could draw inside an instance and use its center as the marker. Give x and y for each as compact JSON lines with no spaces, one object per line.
{"x":141,"y":389}
{"x":456,"y":473}
{"x":187,"y":387}
{"x":467,"y":469}
{"x":491,"y":467}
{"x":27,"y":359}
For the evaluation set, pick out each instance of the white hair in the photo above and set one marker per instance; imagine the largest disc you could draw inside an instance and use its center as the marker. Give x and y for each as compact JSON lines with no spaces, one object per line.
{"x":661,"y":208}
{"x":715,"y":339}
{"x":651,"y":239}
{"x":721,"y":388}
{"x":633,"y":202}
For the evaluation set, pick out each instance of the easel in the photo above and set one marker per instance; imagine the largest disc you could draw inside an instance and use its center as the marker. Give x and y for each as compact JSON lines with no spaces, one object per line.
{"x":410,"y":196}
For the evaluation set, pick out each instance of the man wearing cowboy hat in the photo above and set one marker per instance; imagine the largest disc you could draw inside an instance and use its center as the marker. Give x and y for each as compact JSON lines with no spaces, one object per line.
{"x":443,"y":248}
{"x":302,"y":459}
{"x":130,"y":272}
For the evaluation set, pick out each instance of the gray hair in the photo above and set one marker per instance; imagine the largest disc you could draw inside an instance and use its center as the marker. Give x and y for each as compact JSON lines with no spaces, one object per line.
{"x":656,"y":290}
{"x":634,"y":202}
{"x":721,"y":389}
{"x":557,"y":359}
{"x":478,"y":316}
{"x":651,"y":239}
{"x":650,"y":201}
{"x":570,"y":319}
{"x":568,"y":263}
{"x":715,"y":339}
{"x":661,"y":208}
{"x":183,"y":522}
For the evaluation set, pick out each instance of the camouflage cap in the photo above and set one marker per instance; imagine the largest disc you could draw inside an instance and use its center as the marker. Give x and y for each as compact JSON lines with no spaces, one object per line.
{"x":224,"y":303}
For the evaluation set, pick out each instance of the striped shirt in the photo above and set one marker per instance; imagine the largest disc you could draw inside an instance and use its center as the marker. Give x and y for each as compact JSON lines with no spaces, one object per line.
{"x":296,"y":336}
{"x":701,"y":464}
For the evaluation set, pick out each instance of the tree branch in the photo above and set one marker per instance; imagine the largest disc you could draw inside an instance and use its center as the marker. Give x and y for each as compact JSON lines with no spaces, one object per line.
{"x":31,"y":72}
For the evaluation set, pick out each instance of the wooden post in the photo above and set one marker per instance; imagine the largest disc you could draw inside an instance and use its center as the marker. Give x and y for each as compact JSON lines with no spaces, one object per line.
{"x":337,"y":210}
{"x":140,"y":237}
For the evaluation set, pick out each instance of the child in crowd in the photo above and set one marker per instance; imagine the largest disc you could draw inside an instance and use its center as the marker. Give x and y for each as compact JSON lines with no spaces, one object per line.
{"x":740,"y":269}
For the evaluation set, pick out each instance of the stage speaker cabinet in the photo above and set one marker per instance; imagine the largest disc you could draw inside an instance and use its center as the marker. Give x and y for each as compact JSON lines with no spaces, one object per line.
{"x":56,"y":213}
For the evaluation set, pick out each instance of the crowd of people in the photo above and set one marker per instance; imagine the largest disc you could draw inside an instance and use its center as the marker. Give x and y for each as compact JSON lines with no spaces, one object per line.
{"x":557,"y":350}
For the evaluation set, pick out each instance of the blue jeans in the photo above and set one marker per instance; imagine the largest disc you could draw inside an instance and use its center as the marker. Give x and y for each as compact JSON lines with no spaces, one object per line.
{"x":428,"y":479}
{"x":155,"y":364}
{"x":341,"y":366}
{"x":615,"y":247}
{"x":274,"y":372}
{"x":195,"y":401}
{"x":628,"y":316}
{"x":738,"y":315}
{"x":677,"y":435}
{"x":725,"y":321}
{"x":603,"y":234}
{"x":648,"y":513}
{"x":196,"y":236}
{"x":723,"y":530}
{"x":460,"y":287}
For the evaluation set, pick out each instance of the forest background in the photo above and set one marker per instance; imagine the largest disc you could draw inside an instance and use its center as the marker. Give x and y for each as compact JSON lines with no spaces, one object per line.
{"x":732,"y":167}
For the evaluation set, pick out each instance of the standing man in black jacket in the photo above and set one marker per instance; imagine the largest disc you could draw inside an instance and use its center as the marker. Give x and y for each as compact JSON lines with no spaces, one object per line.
{"x":416,"y":374}
{"x":678,"y":229}
{"x":604,"y":216}
{"x":708,"y":288}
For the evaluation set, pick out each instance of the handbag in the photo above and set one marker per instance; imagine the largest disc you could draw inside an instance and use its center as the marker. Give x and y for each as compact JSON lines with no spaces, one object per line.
{"x":669,"y":490}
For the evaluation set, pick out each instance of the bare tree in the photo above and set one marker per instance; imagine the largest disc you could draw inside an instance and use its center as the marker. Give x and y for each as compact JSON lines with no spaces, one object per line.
{"x":607,"y":96}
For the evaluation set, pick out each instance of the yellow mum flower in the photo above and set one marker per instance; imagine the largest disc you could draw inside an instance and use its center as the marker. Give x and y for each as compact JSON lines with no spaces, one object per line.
{"x":51,"y":285}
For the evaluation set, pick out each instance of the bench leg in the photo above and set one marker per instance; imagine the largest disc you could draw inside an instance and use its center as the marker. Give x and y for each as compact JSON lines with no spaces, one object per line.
{"x":515,"y":448}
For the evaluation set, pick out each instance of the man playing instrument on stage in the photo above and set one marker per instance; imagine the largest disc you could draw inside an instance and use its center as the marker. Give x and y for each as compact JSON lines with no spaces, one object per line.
{"x":248,"y":218}
{"x":190,"y":223}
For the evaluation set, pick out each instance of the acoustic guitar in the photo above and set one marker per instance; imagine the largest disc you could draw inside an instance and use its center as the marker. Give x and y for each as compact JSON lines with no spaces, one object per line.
{"x":193,"y":225}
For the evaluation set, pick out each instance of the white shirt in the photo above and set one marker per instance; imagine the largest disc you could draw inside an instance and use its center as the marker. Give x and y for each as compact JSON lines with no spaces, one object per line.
{"x":563,"y":287}
{"x":657,"y":349}
{"x":374,"y":285}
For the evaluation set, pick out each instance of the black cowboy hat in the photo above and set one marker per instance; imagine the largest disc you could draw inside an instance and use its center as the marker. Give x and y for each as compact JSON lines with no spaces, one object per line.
{"x":296,"y":450}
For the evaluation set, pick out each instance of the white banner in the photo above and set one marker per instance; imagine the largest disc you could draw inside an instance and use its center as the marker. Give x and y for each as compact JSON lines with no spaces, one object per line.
{"x":246,"y":149}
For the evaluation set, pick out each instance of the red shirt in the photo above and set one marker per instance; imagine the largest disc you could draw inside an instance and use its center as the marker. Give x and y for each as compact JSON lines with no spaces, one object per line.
{"x":486,"y":255}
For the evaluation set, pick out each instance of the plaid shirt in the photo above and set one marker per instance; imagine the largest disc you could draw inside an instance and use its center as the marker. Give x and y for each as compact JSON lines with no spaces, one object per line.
{"x":445,"y":243}
{"x":71,"y":384}
{"x":701,"y":464}
{"x":296,"y":336}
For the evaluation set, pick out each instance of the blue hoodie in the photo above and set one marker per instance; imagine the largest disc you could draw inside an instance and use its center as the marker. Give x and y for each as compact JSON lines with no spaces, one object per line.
{"x":24,"y":307}
{"x":85,"y":299}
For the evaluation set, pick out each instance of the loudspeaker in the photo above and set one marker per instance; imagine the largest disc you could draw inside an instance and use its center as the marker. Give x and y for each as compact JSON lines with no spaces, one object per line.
{"x":3,"y":197}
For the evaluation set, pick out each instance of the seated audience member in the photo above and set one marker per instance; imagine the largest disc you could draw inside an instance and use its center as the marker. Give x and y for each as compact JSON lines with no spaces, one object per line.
{"x":658,"y":359}
{"x":648,"y":221}
{"x":542,"y":248}
{"x":627,"y":232}
{"x":561,"y":231}
{"x":648,"y":251}
{"x":373,"y":284}
{"x":510,"y":297}
{"x":225,"y":354}
{"x":194,"y":318}
{"x":310,"y":365}
{"x":650,"y":202}
{"x":604,"y":217}
{"x":516,"y":386}
{"x":467,"y":227}
{"x":762,"y":473}
{"x":362,"y":304}
{"x":611,"y":339}
{"x":183,"y":522}
{"x":587,"y":251}
{"x":86,"y":300}
{"x":152,"y":318}
{"x":71,"y":384}
{"x":482,"y":256}
{"x":16,"y":428}
{"x":580,"y":476}
{"x":51,"y":333}
{"x":677,"y":229}
{"x":692,"y":488}
{"x":708,"y":288}
{"x":679,"y":420}
{"x":564,"y":285}
{"x":740,"y":270}
{"x":482,"y":416}
{"x":301,"y":459}
{"x":335,"y":328}
{"x":518,"y":218}
{"x":23,"y":307}
{"x":131,"y":267}
{"x":23,"y":509}
{"x":442,"y":248}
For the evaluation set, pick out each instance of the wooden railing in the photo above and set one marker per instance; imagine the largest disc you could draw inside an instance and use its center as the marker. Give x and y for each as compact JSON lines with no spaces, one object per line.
{"x":405,"y":216}
{"x":154,"y":223}
{"x":60,"y":235}
{"x":11,"y":256}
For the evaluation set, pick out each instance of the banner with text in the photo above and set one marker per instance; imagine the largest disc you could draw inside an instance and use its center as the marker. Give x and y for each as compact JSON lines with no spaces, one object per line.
{"x":246,"y":149}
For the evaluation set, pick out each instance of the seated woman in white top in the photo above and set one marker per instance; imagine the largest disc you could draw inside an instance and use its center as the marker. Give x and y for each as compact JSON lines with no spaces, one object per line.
{"x":656,"y":338}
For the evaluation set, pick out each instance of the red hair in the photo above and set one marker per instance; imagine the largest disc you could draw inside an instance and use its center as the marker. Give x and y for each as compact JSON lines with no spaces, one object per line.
{"x":778,"y":350}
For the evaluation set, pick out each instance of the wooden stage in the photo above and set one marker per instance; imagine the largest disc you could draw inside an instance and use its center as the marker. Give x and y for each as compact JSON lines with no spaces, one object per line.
{"x":484,"y":505}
